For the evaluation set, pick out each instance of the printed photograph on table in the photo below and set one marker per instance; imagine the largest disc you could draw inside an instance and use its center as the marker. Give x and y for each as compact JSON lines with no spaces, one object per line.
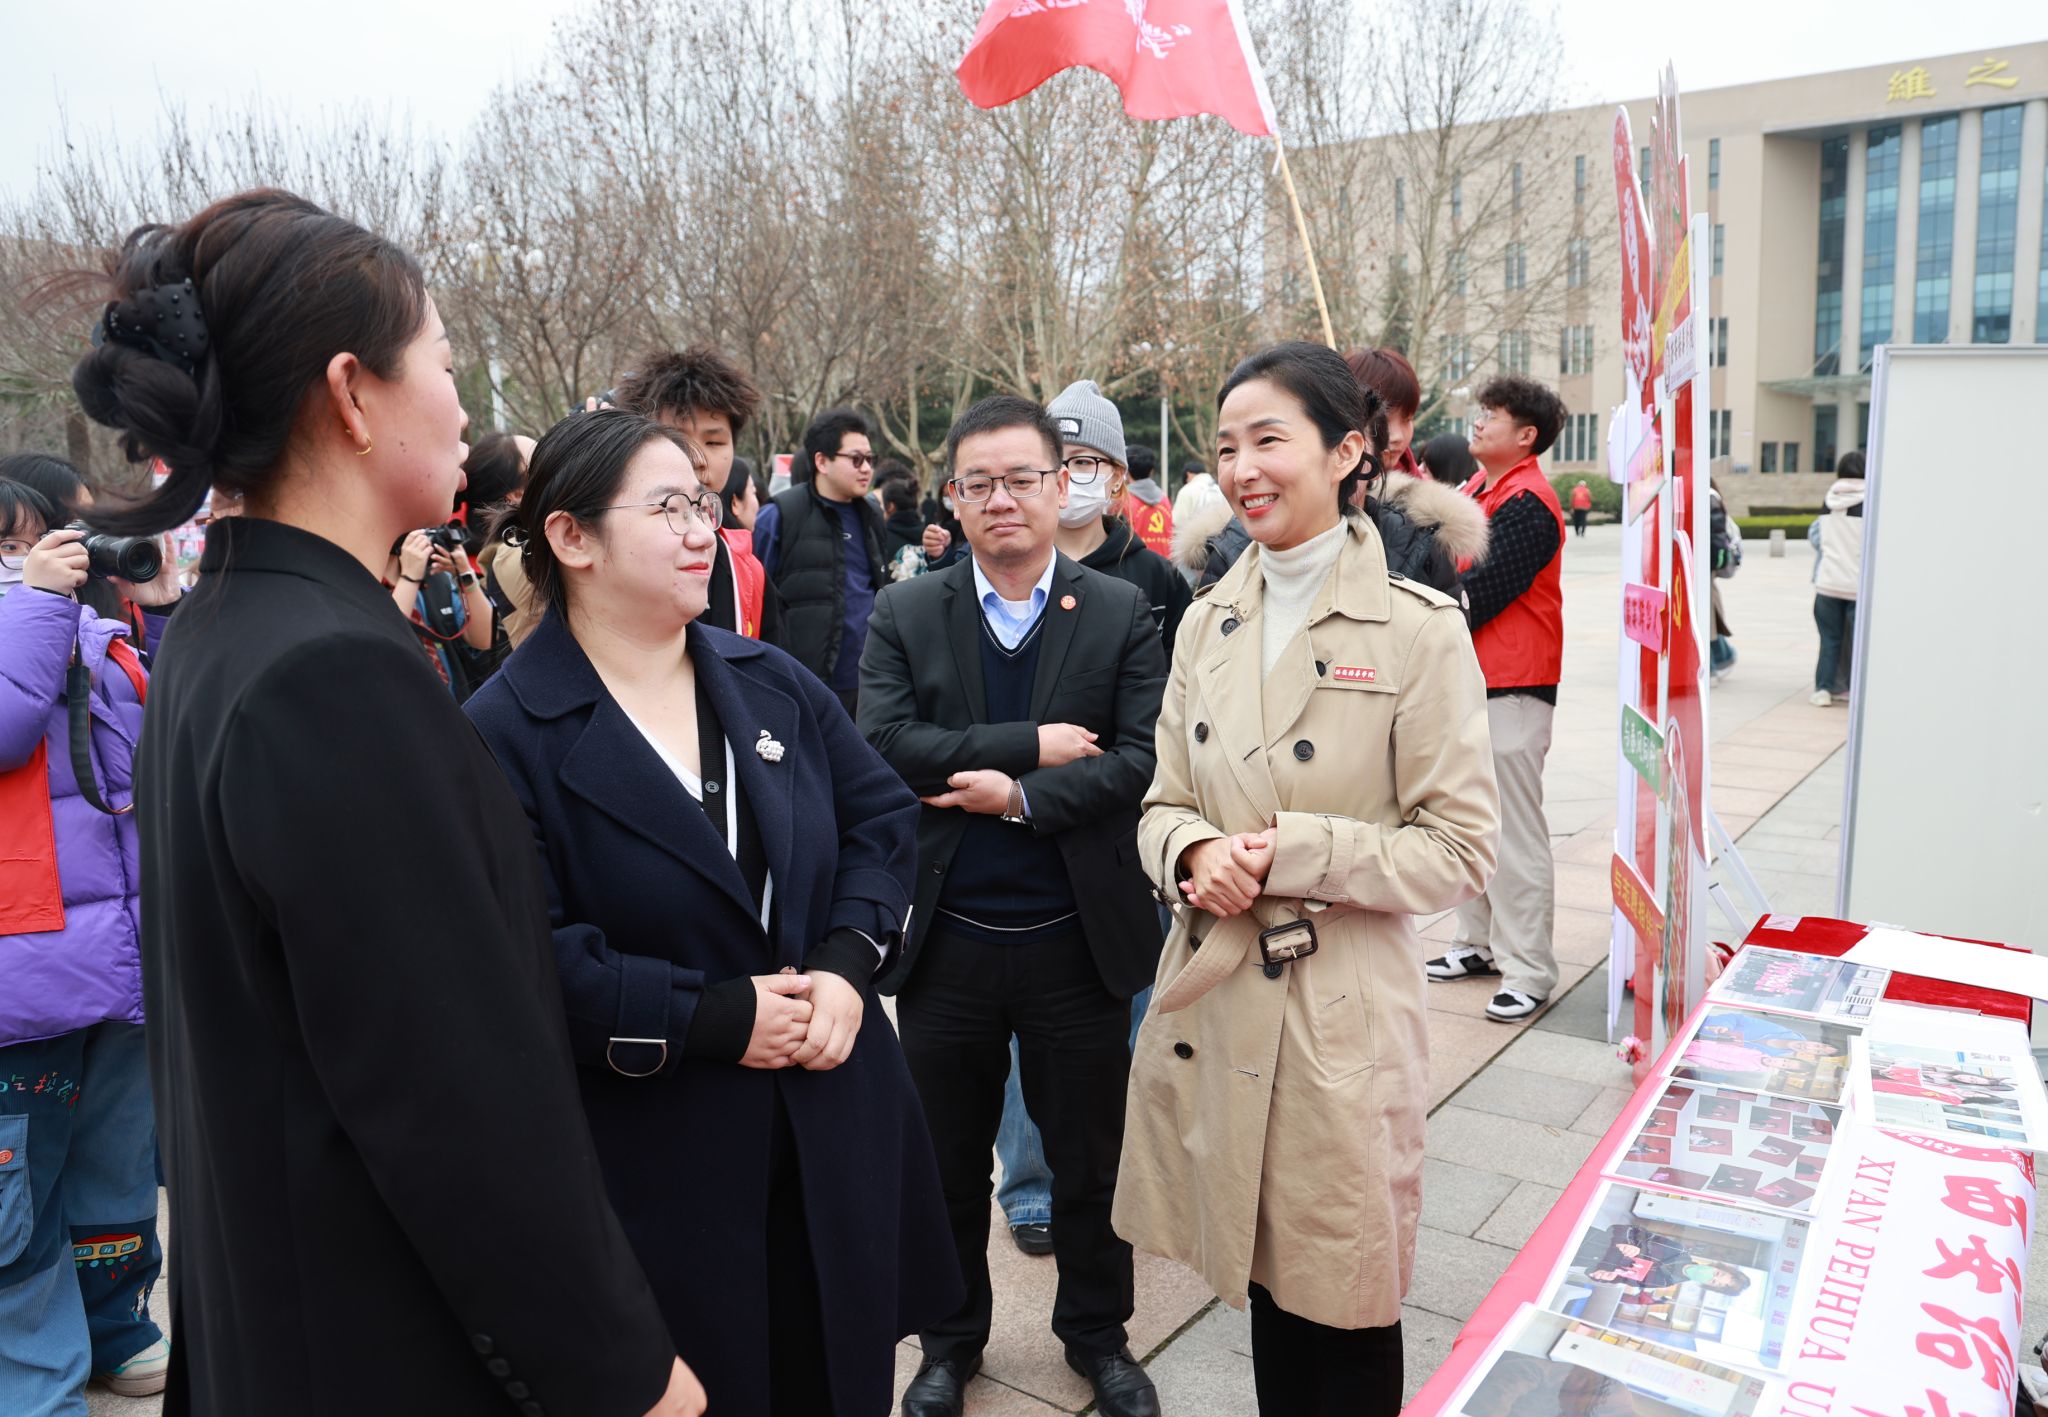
{"x":1800,"y":984}
{"x":1546,"y":1365}
{"x":1784,"y":1054}
{"x":1761,"y":1150}
{"x":1967,"y":1094}
{"x":1700,"y":1276}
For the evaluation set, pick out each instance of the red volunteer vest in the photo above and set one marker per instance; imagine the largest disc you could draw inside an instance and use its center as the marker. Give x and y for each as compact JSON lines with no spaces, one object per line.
{"x":1153,"y":525}
{"x":31,"y":895}
{"x":1523,"y":646}
{"x":749,"y":576}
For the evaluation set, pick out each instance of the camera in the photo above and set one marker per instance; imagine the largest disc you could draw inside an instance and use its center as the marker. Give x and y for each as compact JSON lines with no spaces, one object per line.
{"x":133,"y":558}
{"x":450,"y":537}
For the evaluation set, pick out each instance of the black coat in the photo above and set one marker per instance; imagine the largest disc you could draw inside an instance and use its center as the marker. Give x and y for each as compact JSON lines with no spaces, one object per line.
{"x":1129,"y":559}
{"x":638,"y":878}
{"x":1101,"y":667}
{"x":382,"y":1188}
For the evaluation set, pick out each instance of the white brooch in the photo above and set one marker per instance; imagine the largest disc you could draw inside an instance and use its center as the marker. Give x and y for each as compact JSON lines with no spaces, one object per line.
{"x":768,"y":748}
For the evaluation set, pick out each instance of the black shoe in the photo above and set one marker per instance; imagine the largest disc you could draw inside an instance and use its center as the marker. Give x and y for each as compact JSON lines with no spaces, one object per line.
{"x":1032,"y":1239}
{"x":1121,"y":1387}
{"x":940,"y":1387}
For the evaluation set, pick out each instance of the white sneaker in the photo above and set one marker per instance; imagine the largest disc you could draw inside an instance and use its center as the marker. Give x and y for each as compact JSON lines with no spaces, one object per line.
{"x":1512,"y":1006}
{"x":145,"y":1374}
{"x":1821,"y":698}
{"x":1460,"y":962}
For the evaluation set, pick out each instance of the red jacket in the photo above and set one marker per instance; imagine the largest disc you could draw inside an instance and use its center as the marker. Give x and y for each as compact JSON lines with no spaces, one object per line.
{"x":1582,"y":498}
{"x":750,"y":578}
{"x":1523,"y":646}
{"x":1151,"y":522}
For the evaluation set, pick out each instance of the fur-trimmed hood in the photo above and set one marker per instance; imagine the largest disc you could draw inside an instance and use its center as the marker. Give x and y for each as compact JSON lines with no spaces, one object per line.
{"x":1458,"y":521}
{"x":1199,"y":512}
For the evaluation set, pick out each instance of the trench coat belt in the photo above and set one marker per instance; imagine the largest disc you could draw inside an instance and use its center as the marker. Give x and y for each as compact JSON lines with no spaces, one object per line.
{"x":1229,"y":945}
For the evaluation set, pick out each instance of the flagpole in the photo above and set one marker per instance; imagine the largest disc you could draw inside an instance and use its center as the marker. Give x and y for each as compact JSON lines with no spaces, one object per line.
{"x":1315,"y":278}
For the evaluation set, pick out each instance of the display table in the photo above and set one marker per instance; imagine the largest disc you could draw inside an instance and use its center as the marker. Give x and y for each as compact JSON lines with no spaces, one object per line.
{"x":1908,"y":1286}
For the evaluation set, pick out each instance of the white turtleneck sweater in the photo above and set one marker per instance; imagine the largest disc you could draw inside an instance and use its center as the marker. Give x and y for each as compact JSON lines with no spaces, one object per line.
{"x":1292,"y":579}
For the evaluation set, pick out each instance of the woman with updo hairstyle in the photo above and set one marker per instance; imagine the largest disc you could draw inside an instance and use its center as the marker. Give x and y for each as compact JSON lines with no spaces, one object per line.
{"x":1324,"y":776}
{"x":375,"y":1155}
{"x":728,"y":868}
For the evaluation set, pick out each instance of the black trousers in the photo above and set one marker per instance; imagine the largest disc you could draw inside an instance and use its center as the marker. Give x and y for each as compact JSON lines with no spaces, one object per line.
{"x":963,"y":1002}
{"x":1301,"y":1368}
{"x":797,"y":1383}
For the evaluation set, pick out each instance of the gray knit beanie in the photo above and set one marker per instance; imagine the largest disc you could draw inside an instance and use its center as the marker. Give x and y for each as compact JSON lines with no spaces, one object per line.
{"x":1084,"y":416}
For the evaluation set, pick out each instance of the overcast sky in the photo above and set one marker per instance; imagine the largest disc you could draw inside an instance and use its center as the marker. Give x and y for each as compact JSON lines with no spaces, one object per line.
{"x":112,"y":64}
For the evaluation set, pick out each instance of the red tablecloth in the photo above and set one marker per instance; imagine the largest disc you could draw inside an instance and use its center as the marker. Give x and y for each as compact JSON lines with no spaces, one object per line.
{"x":1523,"y":1282}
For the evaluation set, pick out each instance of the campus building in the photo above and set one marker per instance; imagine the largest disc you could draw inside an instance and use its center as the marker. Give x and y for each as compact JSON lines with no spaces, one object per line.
{"x":1902,"y":203}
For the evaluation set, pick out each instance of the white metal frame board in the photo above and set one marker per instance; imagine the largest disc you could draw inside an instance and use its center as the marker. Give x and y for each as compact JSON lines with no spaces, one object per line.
{"x":1945,"y":807}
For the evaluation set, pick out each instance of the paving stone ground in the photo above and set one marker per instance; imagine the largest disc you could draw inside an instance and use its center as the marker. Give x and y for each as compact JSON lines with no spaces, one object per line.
{"x":1516,"y":1108}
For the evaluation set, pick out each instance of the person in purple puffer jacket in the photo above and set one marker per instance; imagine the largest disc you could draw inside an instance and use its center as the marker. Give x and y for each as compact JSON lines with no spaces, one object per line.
{"x":78,"y":1244}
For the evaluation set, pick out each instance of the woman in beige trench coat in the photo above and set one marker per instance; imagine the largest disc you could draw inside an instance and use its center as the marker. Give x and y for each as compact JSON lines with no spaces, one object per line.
{"x":1323,"y":758}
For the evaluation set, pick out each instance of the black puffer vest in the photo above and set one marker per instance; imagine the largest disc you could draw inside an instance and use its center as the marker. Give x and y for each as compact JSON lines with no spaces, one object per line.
{"x":810,"y":575}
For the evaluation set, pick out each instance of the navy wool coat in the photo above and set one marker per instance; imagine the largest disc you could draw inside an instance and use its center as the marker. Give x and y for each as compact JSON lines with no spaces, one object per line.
{"x":643,"y":895}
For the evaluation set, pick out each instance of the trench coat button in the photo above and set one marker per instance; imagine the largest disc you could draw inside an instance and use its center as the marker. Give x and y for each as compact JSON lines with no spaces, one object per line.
{"x":1183,"y":1050}
{"x":518,"y":1392}
{"x":1273,"y":971}
{"x":1396,"y":576}
{"x":482,"y":1345}
{"x":498,"y":1368}
{"x":1230,"y":624}
{"x":1322,"y":668}
{"x":1304,"y":750}
{"x":1201,"y":733}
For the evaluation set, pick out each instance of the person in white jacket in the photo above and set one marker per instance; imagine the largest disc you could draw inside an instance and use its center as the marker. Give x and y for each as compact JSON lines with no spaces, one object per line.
{"x":1838,"y":577}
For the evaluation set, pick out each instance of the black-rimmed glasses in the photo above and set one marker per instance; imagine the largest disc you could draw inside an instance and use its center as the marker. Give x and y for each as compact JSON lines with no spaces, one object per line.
{"x":680,"y":508}
{"x":1084,"y":468}
{"x":979,"y":487}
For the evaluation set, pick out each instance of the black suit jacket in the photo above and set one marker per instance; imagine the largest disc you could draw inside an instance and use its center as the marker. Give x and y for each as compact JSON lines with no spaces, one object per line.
{"x":371,"y":1132}
{"x":1101,"y":666}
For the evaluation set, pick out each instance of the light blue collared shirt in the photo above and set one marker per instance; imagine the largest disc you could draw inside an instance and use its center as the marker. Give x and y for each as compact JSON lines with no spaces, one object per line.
{"x":1008,"y":620}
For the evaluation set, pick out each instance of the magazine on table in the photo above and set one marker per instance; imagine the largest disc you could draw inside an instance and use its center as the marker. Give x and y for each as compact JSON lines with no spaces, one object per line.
{"x":1709,"y":1279}
{"x":1787,"y":981}
{"x":1971,"y":1080}
{"x":1749,"y":1050}
{"x":1747,"y":1147}
{"x":1546,"y":1365}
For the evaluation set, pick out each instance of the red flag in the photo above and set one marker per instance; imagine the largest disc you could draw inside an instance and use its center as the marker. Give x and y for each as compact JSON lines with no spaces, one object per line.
{"x":1171,"y":58}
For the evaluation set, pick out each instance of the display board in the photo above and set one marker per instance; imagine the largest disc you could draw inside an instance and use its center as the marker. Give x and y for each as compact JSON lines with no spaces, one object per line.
{"x":1945,"y":811}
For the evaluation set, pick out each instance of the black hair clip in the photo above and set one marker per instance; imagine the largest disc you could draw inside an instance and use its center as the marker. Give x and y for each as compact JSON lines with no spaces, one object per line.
{"x":163,"y":321}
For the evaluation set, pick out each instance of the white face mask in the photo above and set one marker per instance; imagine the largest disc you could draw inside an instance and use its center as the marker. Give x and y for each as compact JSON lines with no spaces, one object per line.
{"x":1086,"y":501}
{"x":9,"y":579}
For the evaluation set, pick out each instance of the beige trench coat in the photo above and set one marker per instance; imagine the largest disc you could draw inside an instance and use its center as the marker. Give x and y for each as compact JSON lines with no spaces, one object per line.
{"x":1275,"y":1122}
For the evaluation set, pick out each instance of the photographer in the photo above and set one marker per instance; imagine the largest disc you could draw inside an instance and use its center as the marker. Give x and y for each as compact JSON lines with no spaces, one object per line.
{"x":415,"y":561}
{"x":77,"y":1138}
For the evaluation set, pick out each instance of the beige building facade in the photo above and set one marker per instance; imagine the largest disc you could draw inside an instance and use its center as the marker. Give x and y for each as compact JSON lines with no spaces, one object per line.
{"x":1902,"y":203}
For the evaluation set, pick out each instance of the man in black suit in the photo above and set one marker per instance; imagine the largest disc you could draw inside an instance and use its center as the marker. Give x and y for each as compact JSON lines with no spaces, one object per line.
{"x":1016,"y":692}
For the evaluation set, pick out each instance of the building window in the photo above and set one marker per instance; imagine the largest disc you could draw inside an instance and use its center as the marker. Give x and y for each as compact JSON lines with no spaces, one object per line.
{"x":1767,"y":460}
{"x":1579,"y":440}
{"x":1719,"y":429}
{"x":1579,"y":181}
{"x":1578,"y":262}
{"x":1514,"y":352}
{"x":1935,"y":247}
{"x":1826,"y":428}
{"x":1455,"y":354}
{"x":1575,"y":350}
{"x":1720,"y":245}
{"x":1718,"y":359}
{"x":1400,"y":200}
{"x":1457,"y":198}
{"x":1791,"y":457}
{"x":1880,"y":244}
{"x":1713,"y":164}
{"x":1827,"y":309}
{"x":1643,"y":171}
{"x":1518,"y":189}
{"x":1515,"y":275}
{"x":1998,"y":215}
{"x":1459,"y":279}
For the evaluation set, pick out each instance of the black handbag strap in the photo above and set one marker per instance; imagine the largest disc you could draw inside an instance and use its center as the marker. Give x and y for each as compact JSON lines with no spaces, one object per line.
{"x":78,"y":693}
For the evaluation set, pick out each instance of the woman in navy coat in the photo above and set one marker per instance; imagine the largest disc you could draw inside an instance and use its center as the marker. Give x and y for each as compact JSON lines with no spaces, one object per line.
{"x":728,"y":867}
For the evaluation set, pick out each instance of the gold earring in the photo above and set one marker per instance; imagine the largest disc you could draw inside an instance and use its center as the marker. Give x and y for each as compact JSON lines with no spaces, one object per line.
{"x":364,"y":451}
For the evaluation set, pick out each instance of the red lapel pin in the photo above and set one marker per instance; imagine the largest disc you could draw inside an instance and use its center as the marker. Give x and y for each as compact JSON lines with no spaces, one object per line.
{"x":1067,"y":602}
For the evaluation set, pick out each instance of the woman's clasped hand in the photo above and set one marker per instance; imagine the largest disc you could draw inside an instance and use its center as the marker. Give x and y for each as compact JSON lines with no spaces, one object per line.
{"x":1225,"y":874}
{"x":803,"y":1020}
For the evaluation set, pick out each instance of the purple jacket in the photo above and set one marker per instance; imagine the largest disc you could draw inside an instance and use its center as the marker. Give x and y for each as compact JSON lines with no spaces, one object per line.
{"x":59,"y":981}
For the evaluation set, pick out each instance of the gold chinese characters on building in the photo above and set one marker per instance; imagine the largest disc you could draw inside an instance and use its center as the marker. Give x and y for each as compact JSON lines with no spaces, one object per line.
{"x":1906,"y":85}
